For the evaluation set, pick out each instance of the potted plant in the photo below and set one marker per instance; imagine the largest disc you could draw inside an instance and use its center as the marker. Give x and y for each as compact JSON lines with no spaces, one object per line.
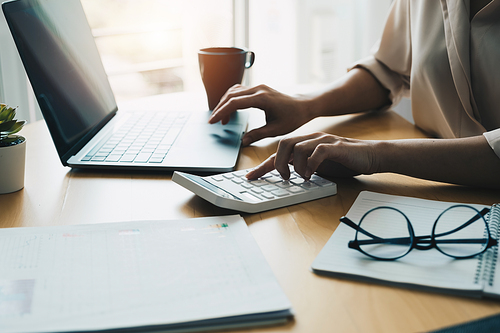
{"x":12,"y":151}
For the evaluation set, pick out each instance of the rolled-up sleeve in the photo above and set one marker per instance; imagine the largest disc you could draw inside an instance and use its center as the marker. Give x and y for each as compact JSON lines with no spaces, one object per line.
{"x":493,"y":138}
{"x":390,"y":63}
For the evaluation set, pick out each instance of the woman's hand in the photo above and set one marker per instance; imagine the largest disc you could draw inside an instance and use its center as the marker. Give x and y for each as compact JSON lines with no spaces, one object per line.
{"x":326,"y":154}
{"x":466,"y":161}
{"x":283,"y":113}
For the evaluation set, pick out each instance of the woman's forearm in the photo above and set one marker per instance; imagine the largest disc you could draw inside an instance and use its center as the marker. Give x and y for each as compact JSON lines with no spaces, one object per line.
{"x":356,"y":91}
{"x":466,"y":161}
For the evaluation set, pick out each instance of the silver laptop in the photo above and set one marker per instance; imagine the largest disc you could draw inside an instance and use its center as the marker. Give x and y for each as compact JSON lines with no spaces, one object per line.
{"x":60,"y":56}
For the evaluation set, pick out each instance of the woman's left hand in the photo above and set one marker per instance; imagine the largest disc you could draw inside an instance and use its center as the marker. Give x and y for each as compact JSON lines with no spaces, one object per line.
{"x":327,"y":154}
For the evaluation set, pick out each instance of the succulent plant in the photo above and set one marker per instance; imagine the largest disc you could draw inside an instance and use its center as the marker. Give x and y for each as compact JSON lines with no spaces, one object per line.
{"x":9,"y":126}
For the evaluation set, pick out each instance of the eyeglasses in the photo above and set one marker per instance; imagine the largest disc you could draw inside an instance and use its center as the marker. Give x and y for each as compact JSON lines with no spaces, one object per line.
{"x":386,"y":233}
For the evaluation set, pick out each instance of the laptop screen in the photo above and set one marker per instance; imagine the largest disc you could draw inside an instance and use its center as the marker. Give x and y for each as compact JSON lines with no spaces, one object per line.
{"x":64,"y":67}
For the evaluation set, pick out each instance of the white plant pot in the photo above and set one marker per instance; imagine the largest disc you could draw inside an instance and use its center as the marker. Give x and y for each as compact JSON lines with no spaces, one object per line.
{"x":12,"y":161}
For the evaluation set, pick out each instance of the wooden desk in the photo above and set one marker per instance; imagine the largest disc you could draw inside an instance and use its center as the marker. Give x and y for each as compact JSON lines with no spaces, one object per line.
{"x":290,"y":238}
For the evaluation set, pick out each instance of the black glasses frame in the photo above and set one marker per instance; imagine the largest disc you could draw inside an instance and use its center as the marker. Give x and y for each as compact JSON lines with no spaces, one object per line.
{"x":420,"y":242}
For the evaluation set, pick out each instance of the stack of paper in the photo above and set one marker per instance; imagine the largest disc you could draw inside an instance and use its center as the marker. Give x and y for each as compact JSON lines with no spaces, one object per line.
{"x":186,"y":274}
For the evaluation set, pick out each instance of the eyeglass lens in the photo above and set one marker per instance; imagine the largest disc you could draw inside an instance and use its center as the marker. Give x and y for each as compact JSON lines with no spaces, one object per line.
{"x":388,"y":224}
{"x":457,"y":238}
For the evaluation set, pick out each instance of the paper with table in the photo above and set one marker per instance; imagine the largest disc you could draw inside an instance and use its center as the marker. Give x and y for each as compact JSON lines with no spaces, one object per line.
{"x":428,"y":269}
{"x":183,"y":274}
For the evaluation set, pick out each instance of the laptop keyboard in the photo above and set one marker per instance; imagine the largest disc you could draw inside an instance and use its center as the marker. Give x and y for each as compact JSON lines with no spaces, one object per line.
{"x":140,"y":140}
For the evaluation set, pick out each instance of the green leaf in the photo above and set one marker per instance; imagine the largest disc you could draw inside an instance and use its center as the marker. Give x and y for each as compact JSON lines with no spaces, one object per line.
{"x":7,"y":114}
{"x":16,"y":127}
{"x":12,"y":113}
{"x":6,"y":126}
{"x":4,"y":114}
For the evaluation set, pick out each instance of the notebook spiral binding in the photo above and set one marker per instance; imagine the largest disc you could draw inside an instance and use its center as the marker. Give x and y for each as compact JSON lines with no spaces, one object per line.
{"x":488,"y":260}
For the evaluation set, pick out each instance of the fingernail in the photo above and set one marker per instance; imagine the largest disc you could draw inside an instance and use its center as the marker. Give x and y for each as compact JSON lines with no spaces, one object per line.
{"x":308,"y":173}
{"x":250,"y":175}
{"x":245,"y":141}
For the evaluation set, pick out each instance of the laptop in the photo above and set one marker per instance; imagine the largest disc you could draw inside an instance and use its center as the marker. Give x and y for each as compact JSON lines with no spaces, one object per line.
{"x":62,"y":62}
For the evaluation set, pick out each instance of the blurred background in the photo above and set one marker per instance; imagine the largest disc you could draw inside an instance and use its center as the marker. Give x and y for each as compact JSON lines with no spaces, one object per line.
{"x":149,"y":47}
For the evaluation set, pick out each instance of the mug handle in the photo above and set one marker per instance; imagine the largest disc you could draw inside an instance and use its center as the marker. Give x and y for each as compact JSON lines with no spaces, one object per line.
{"x":250,"y":61}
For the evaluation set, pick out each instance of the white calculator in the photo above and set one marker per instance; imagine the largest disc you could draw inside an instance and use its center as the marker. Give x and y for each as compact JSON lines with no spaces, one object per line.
{"x":233,"y":190}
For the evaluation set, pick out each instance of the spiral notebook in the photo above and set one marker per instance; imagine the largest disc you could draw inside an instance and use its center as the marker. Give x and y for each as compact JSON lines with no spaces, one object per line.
{"x":425,"y":270}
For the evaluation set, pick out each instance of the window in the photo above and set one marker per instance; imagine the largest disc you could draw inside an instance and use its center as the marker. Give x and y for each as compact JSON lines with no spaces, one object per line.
{"x":150,"y":47}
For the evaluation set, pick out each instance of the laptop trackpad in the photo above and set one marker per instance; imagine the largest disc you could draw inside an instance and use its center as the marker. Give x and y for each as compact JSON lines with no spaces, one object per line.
{"x":200,"y":144}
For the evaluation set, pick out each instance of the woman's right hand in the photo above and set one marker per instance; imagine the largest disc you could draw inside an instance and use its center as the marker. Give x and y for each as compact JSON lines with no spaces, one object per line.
{"x":329,"y":155}
{"x":283,"y":113}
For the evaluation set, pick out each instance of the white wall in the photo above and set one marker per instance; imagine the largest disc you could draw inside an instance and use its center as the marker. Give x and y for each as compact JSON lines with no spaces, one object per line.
{"x":312,"y":41}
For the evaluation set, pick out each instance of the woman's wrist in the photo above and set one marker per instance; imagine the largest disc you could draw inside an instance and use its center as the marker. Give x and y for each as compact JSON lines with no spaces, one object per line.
{"x":309,"y":107}
{"x":384,"y":156}
{"x":314,"y":106}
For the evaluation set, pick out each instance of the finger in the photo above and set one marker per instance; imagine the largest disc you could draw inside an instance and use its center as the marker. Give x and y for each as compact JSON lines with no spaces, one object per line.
{"x":322,"y":153}
{"x":286,"y":149}
{"x":262,"y":169}
{"x":225,"y":120}
{"x":232,"y":101}
{"x":235,"y":91}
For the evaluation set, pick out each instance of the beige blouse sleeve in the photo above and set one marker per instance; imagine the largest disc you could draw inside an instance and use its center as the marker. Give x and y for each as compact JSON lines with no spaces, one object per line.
{"x":390,"y":64}
{"x":493,"y":138}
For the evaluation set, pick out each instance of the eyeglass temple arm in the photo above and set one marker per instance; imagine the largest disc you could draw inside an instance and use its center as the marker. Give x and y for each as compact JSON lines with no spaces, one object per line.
{"x":346,"y":220}
{"x":406,"y":240}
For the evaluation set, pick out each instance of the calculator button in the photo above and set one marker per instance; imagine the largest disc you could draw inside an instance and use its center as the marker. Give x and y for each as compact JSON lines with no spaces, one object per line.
{"x":274,"y":179}
{"x":228,"y":175}
{"x":250,"y":196}
{"x":323,"y":182}
{"x":246,"y":185}
{"x":257,"y":190}
{"x":295,"y":189}
{"x":280,"y":193}
{"x":240,"y":173}
{"x":320,"y":181}
{"x":270,"y":188}
{"x":259,"y":182}
{"x":267,"y":195}
{"x":237,"y":180}
{"x":298,"y":181}
{"x":309,"y":185}
{"x":284,"y":184}
{"x":217,"y":178}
